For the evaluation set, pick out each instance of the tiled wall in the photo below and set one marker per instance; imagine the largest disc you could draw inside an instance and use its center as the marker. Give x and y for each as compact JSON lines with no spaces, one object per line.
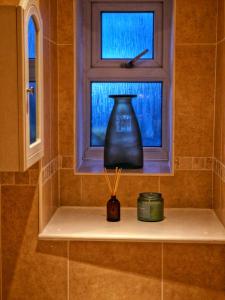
{"x":50,"y":184}
{"x":41,"y":270}
{"x":219,"y":143}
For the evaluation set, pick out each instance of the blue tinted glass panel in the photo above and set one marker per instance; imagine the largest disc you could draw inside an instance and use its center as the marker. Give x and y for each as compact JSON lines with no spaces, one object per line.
{"x":31,"y":38}
{"x":125,"y":35}
{"x":147,"y":106}
{"x":32,"y":113}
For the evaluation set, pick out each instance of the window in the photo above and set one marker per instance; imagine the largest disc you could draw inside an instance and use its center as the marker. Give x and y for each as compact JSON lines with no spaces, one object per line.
{"x":109,"y":35}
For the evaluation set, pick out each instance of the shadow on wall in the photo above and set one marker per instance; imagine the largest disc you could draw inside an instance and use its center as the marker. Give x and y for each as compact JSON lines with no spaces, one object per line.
{"x":30,"y":267}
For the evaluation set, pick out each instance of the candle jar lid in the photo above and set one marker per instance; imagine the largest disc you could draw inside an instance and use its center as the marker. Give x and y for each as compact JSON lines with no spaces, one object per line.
{"x":151,"y":196}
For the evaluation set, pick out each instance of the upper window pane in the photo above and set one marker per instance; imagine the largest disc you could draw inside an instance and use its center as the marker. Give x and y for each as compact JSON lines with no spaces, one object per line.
{"x":126,"y":34}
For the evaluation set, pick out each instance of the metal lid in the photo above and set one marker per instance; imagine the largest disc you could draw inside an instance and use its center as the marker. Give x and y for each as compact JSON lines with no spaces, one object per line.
{"x":151,"y":196}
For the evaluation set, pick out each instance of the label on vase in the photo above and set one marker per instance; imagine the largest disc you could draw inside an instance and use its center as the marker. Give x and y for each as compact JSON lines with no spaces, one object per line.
{"x":123,"y":123}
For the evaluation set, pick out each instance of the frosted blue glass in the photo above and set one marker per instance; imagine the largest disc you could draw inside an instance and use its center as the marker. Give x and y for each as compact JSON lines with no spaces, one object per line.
{"x":31,"y":38}
{"x":32,"y":113}
{"x":147,"y":106}
{"x":126,"y":34}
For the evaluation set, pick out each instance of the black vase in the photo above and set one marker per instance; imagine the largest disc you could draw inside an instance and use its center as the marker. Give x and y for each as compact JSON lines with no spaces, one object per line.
{"x":123,"y":143}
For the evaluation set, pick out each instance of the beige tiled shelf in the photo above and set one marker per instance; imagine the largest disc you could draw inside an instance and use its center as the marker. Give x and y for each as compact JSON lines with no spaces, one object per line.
{"x":179,"y":225}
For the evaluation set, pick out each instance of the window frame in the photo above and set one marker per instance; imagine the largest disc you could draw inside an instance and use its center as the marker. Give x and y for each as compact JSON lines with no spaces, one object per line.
{"x":89,"y":70}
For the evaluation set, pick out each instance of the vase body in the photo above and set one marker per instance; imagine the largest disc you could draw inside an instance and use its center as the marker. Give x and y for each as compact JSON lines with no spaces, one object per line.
{"x":123,"y":142}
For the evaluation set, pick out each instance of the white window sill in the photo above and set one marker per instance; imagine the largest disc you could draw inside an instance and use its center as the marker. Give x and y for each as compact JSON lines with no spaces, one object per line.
{"x":89,"y":224}
{"x":150,"y":168}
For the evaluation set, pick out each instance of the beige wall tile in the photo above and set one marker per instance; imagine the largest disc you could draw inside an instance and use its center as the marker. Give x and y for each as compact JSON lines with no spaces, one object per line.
{"x":217,"y":194}
{"x":53,"y":20}
{"x":209,"y":163}
{"x":7,"y":177}
{"x":67,"y":162}
{"x":45,"y":14}
{"x":194,"y":272}
{"x":199,"y":163}
{"x":70,"y":188}
{"x":47,"y":102}
{"x":220,"y":94}
{"x":34,"y":176}
{"x":22,"y":177}
{"x":66,"y":100}
{"x":65,"y":21}
{"x":184,"y":163}
{"x":9,"y":2}
{"x":115,"y":271}
{"x":187,"y":189}
{"x":196,"y":21}
{"x":46,"y":207}
{"x":194,"y":100}
{"x":131,"y":186}
{"x":94,"y":190}
{"x":221,"y":20}
{"x":55,"y":191}
{"x":31,"y":269}
{"x":54,"y":101}
{"x":222,"y":210}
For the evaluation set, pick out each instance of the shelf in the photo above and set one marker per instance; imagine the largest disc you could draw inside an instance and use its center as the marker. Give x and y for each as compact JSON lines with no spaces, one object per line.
{"x":89,"y":224}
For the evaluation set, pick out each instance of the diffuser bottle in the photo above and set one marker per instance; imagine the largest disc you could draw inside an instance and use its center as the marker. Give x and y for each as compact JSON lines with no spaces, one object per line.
{"x":113,"y":209}
{"x":113,"y":204}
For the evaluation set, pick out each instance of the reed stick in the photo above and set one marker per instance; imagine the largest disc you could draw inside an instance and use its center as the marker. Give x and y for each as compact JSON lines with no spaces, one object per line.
{"x":116,"y":171}
{"x":113,"y":189}
{"x":118,"y":174}
{"x":108,"y":181}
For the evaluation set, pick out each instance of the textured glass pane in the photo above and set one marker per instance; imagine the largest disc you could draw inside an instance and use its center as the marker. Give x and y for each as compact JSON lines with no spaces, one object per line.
{"x":147,"y":106}
{"x":32,"y":80}
{"x":32,"y":113}
{"x":125,"y":35}
{"x":31,"y":38}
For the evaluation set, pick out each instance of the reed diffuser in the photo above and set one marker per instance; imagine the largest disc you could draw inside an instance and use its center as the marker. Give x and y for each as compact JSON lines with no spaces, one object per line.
{"x":113,"y":204}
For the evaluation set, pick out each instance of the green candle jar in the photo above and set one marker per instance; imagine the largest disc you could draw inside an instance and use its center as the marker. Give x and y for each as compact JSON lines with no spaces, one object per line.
{"x":150,"y":207}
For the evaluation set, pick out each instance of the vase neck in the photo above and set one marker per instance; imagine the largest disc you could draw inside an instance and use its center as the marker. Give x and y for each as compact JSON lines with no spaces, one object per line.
{"x":122,"y":98}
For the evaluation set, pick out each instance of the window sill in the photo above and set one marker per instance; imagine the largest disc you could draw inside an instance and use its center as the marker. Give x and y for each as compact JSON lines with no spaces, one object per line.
{"x":89,"y":224}
{"x":153,"y":168}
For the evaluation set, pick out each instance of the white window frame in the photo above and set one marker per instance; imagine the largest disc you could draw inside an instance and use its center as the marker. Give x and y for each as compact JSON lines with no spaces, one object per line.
{"x":91,"y":68}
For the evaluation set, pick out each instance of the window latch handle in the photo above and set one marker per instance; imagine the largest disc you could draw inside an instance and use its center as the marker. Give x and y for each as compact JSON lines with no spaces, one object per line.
{"x":31,"y":90}
{"x":130,"y":64}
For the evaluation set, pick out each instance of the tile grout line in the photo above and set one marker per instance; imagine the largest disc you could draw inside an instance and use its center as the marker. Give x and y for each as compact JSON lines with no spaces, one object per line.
{"x":214,"y":115}
{"x":51,"y":96}
{"x":68,"y":270}
{"x":221,"y":131}
{"x":57,"y":58}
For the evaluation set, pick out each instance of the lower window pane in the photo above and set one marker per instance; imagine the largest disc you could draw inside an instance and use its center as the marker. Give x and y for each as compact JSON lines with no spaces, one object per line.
{"x":147,"y":106}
